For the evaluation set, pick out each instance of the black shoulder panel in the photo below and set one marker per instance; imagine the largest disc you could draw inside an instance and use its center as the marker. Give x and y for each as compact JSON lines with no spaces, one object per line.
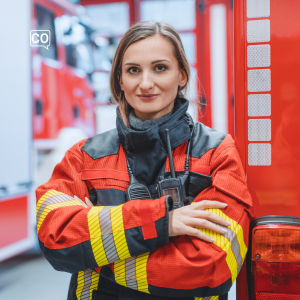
{"x":103,"y":144}
{"x":204,"y":139}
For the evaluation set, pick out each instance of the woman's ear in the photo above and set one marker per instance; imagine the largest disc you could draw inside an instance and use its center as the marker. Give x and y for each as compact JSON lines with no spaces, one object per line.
{"x":121,"y":83}
{"x":182,"y":78}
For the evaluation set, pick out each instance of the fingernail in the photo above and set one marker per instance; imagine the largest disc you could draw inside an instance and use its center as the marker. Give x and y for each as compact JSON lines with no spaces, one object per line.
{"x":224,"y":204}
{"x":228,"y":223}
{"x":212,"y":240}
{"x":224,"y":230}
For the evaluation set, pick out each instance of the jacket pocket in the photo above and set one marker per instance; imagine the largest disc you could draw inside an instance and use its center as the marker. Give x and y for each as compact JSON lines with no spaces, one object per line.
{"x":106,"y":187}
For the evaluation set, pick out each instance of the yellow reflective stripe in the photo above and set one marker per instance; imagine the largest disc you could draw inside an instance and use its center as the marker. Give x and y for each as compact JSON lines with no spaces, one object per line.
{"x":51,"y":207}
{"x":240,"y":237}
{"x":236,"y":228}
{"x":87,"y":282}
{"x":95,"y":234}
{"x":118,"y":231}
{"x":94,"y":283}
{"x":207,"y":298}
{"x":141,"y":272}
{"x":80,"y":284}
{"x":47,"y":195}
{"x":225,"y":244}
{"x":119,"y":269}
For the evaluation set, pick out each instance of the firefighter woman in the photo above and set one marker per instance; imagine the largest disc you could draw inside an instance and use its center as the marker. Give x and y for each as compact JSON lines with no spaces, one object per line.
{"x":137,"y":244}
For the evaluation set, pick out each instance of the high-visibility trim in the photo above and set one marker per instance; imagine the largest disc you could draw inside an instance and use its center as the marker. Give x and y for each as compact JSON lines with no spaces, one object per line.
{"x":96,"y":236}
{"x":141,"y":272}
{"x":47,"y":195}
{"x":80,"y":284}
{"x":207,"y":298}
{"x":119,"y":269}
{"x":107,"y":236}
{"x":130,"y":272}
{"x":50,"y":201}
{"x":232,"y":242}
{"x":118,"y":231}
{"x":87,"y":282}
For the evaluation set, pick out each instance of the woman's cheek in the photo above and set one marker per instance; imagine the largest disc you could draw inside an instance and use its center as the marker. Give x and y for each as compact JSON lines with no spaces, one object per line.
{"x":168,"y":83}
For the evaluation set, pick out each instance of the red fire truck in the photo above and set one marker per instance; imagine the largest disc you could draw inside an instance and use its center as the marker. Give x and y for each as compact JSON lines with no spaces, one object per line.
{"x":267,"y":125}
{"x":42,"y":91}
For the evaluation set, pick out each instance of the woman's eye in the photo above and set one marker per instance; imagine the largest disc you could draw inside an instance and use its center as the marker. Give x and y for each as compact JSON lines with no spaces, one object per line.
{"x":133,"y":70}
{"x":161,"y":68}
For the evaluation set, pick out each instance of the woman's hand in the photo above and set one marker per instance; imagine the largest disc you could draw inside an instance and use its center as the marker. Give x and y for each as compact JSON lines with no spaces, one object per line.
{"x":183,"y":220}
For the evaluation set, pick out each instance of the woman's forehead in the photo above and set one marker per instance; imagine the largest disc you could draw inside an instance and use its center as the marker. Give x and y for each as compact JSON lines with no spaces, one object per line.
{"x":149,"y":50}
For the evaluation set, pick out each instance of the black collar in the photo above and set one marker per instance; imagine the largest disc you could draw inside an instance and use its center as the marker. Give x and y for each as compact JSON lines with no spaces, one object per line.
{"x":146,"y":150}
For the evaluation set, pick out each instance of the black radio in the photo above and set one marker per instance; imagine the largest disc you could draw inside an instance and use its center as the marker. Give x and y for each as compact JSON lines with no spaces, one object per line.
{"x":175,"y":187}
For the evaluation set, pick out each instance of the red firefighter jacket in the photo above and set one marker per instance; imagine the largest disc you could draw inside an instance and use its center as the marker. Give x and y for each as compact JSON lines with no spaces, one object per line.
{"x":121,"y":250}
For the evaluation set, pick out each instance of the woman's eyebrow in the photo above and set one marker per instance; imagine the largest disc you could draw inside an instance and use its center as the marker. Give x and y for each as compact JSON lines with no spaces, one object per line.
{"x":154,"y":62}
{"x":159,"y":60}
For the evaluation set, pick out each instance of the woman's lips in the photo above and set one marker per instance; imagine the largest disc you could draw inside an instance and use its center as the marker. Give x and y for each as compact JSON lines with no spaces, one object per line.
{"x":148,"y":97}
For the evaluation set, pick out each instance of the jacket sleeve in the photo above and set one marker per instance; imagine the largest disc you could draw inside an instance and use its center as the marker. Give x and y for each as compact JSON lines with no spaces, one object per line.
{"x":188,"y":266}
{"x":75,"y":238}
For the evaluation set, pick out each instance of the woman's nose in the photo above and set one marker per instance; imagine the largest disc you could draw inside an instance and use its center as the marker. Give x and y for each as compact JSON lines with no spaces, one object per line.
{"x":146,"y":82}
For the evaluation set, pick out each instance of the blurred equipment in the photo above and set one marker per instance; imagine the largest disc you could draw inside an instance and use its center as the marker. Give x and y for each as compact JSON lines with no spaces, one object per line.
{"x":215,"y":63}
{"x":16,"y":202}
{"x":66,"y":139}
{"x":47,"y":105}
{"x":62,"y":89}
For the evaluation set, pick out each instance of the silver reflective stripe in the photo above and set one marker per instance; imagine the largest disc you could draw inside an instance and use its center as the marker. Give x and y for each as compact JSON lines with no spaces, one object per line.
{"x":130,"y":265}
{"x":87,"y":284}
{"x":259,"y":105}
{"x":258,"y":56}
{"x":259,"y":130}
{"x":52,"y":200}
{"x":259,"y":154}
{"x":235,"y":246}
{"x":107,"y":236}
{"x":259,"y":80}
{"x":258,"y":8}
{"x":258,"y":31}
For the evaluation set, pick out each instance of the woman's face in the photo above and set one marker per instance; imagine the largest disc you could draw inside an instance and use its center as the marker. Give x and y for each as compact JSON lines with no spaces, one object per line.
{"x":151,"y":76}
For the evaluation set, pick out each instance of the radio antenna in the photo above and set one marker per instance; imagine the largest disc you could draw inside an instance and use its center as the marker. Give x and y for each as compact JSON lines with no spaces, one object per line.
{"x":170,"y":155}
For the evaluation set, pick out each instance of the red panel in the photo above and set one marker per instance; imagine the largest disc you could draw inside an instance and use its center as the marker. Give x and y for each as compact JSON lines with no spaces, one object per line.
{"x":275,"y":189}
{"x":13,"y":220}
{"x":275,"y":296}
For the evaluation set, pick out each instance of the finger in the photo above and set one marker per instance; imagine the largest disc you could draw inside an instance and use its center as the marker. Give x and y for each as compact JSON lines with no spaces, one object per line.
{"x":202,"y":223}
{"x":208,"y":215}
{"x":208,"y":204}
{"x":75,"y":197}
{"x":198,"y":234}
{"x":88,"y":202}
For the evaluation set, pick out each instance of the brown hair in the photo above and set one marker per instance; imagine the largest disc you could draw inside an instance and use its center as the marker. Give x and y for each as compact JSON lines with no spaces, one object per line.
{"x":137,"y":32}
